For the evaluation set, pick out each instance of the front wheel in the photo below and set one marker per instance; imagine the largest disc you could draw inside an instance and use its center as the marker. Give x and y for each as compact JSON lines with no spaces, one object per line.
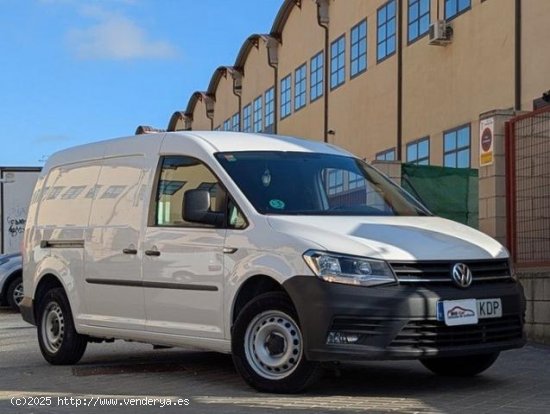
{"x":268,"y":346}
{"x":59,"y":342}
{"x":466,"y":366}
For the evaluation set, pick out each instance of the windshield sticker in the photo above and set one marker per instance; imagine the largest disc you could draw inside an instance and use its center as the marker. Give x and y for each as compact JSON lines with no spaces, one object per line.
{"x":230,"y":157}
{"x":277,"y":204}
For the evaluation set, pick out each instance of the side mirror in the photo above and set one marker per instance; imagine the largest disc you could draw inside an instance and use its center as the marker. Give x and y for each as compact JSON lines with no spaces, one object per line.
{"x":196,"y":208}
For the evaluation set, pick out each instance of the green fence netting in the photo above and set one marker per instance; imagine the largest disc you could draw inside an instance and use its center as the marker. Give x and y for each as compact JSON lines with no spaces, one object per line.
{"x":452,"y":193}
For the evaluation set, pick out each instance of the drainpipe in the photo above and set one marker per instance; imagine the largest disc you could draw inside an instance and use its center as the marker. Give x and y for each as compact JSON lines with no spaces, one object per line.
{"x":323,"y":21}
{"x":517,"y":57}
{"x":272,"y":45}
{"x":237,"y":76}
{"x":399,"y":80}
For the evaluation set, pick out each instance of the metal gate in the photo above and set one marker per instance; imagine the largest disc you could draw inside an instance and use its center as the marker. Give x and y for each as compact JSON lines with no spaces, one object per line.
{"x":528,"y":188}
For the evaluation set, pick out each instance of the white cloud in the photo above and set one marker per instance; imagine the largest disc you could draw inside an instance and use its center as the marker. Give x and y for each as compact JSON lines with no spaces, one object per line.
{"x":116,"y":37}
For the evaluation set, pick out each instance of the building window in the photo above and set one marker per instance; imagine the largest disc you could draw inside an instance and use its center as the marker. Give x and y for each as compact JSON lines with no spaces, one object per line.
{"x":300,"y":82}
{"x":247,"y":121}
{"x":418,"y":152}
{"x":387,"y":155}
{"x":335,"y":182}
{"x":386,"y":31}
{"x":235,"y":121}
{"x":285,"y":96}
{"x":227,"y":125}
{"x":456,"y":147}
{"x":258,"y":120}
{"x":419,"y":18}
{"x":269,"y":98}
{"x":316,"y":74}
{"x":358,"y":49}
{"x":455,"y":7}
{"x":338,"y":62}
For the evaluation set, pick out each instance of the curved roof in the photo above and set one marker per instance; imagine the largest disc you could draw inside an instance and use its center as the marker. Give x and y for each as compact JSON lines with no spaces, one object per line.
{"x":282,"y":16}
{"x":216,"y":77}
{"x":176,"y":116}
{"x":202,"y":96}
{"x":146,"y":129}
{"x":247,"y":46}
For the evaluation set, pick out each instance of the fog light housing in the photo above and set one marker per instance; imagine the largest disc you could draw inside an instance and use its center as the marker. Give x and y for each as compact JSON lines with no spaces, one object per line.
{"x":335,"y":337}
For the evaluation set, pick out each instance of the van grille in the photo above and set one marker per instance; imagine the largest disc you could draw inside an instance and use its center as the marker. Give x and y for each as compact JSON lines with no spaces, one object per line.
{"x":434,"y":334}
{"x":483,"y":271}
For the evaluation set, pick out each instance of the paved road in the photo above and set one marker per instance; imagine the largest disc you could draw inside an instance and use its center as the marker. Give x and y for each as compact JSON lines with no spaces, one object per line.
{"x":518,"y":382}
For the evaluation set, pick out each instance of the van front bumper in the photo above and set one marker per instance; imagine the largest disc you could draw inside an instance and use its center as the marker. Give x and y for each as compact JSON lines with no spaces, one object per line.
{"x":399,"y":322}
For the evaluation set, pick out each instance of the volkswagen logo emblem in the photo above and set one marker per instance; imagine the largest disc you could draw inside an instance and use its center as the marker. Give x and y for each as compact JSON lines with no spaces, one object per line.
{"x":462,"y":275}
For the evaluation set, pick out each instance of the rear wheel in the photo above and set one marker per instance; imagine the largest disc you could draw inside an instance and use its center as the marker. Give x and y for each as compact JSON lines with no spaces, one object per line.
{"x":268,"y":346}
{"x":465,"y":366}
{"x":59,"y":342}
{"x":15,"y":293}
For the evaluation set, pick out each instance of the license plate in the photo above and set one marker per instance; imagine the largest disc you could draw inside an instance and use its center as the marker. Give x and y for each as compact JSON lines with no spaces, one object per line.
{"x":468,"y":311}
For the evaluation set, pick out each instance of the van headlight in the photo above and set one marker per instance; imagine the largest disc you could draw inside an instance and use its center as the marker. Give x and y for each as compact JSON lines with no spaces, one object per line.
{"x":351,"y":270}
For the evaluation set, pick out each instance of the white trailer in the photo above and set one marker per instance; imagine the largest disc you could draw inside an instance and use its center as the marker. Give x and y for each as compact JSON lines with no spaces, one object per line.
{"x":16,"y":188}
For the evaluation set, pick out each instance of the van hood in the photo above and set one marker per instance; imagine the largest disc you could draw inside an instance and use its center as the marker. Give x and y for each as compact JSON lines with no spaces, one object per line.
{"x":392,"y":238}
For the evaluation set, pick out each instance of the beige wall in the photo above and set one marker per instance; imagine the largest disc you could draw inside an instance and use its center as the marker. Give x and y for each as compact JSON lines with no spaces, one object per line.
{"x":258,"y":75}
{"x":227,"y":103}
{"x":298,"y":47}
{"x":363,"y":111}
{"x":443,"y":87}
{"x":535,"y":51}
{"x":200,"y":121}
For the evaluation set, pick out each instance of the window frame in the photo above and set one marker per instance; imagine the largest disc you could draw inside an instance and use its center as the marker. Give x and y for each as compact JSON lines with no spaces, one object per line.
{"x":153,"y":201}
{"x":300,"y":82}
{"x":271,"y":114}
{"x":359,"y":56}
{"x":458,"y":12}
{"x":378,"y":42}
{"x":417,"y":142}
{"x":457,"y":149}
{"x":319,"y":73}
{"x":417,"y":21}
{"x":342,"y":69}
{"x":247,"y":109}
{"x":386,"y":151}
{"x":227,"y":124}
{"x":236,"y":127}
{"x":255,"y":110}
{"x":282,"y":103}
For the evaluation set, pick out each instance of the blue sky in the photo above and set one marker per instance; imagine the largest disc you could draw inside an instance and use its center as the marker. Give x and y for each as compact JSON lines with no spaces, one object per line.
{"x":76,"y":71}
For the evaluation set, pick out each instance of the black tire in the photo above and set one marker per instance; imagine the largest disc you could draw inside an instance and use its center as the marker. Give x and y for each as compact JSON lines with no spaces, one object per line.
{"x":15,"y":288}
{"x":465,"y":366}
{"x":54,"y":312}
{"x":300,"y":373}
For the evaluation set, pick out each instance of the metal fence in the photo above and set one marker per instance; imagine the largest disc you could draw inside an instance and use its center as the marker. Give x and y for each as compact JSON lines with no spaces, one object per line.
{"x":528,"y":187}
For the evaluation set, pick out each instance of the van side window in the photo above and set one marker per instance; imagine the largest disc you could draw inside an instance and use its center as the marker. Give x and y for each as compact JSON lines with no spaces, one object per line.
{"x":178,"y":175}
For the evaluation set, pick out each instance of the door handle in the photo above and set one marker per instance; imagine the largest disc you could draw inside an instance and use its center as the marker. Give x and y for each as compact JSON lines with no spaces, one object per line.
{"x":152,"y":253}
{"x":129,"y":251}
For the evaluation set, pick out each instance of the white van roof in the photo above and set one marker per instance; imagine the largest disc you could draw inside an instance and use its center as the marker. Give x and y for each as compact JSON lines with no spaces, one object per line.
{"x":209,"y":141}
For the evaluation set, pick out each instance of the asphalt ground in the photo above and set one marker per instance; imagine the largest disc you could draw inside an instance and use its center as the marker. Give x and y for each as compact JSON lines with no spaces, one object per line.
{"x":123,"y":377}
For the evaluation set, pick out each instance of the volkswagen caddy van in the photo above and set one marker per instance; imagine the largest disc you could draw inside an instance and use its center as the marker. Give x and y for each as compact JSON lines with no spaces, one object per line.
{"x":286,"y":253}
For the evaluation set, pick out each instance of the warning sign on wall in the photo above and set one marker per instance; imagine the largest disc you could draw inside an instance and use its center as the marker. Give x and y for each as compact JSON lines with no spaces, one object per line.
{"x":486,"y":141}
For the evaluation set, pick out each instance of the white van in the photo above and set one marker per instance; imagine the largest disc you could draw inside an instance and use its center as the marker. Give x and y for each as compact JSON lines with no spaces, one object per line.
{"x":284,"y":252}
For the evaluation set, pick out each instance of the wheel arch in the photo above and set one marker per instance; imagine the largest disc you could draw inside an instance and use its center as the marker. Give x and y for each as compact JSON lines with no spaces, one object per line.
{"x":7,"y":283}
{"x":47,"y":282}
{"x":252,"y":287}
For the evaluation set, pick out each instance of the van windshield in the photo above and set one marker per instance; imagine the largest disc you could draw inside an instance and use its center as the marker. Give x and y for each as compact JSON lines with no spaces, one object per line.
{"x":304,"y":183}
